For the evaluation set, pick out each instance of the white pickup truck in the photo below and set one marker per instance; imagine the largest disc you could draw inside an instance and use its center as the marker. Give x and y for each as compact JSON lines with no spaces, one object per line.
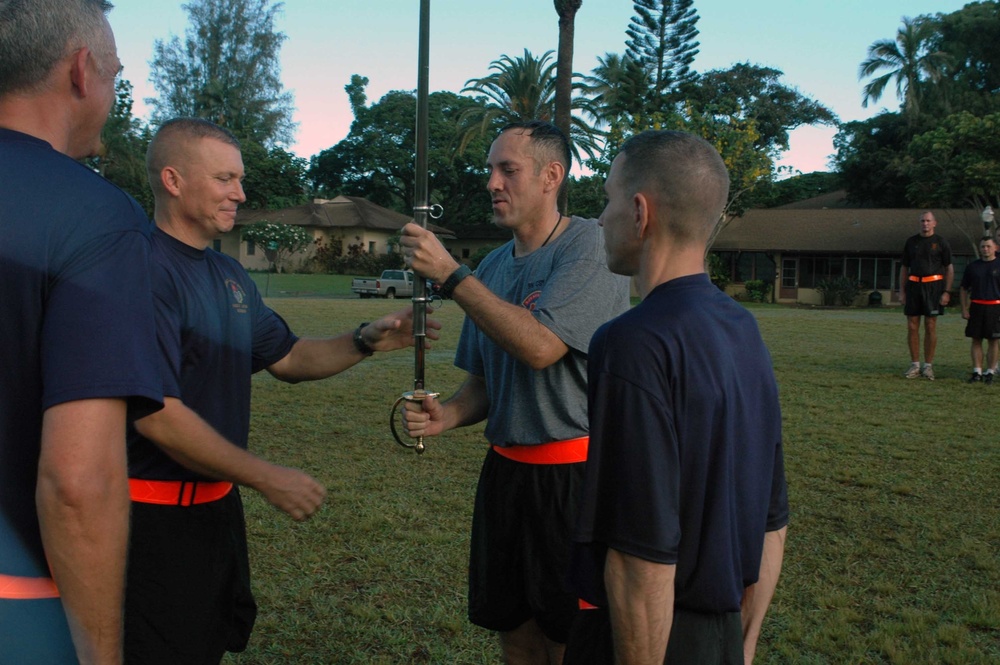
{"x":392,"y":284}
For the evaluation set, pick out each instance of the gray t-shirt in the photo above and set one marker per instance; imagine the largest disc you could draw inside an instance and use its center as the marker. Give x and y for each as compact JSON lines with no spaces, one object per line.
{"x":568,"y":288}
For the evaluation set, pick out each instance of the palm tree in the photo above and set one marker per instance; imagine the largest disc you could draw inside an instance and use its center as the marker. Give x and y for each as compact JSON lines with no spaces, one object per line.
{"x":909,"y":62}
{"x":519,"y":90}
{"x":616,"y":88}
{"x":566,"y":9}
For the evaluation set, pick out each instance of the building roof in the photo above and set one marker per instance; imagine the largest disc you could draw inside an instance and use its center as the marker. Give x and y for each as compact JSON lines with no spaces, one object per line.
{"x":843,"y":230}
{"x":343,"y":212}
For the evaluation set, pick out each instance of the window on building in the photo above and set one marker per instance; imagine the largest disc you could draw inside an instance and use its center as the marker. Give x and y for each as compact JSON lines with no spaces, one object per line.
{"x":371,"y":246}
{"x":251,"y":248}
{"x":217,"y":244}
{"x":788,"y":270}
{"x":465,"y":252}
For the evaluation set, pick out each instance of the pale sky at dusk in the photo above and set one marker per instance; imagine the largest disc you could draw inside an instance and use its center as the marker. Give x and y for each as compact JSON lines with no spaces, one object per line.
{"x":818,"y":44}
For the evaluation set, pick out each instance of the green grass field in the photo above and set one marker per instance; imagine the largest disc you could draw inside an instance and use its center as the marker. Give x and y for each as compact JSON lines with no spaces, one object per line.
{"x":892,"y":550}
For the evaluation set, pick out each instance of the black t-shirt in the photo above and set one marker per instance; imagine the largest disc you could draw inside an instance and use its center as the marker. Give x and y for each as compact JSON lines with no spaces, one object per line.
{"x":77,"y":317}
{"x":214,"y":332}
{"x":926,"y":256}
{"x":685,"y":463}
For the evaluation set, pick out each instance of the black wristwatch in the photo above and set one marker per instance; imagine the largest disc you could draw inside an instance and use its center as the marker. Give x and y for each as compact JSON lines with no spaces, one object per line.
{"x":449,"y":284}
{"x":359,"y":341}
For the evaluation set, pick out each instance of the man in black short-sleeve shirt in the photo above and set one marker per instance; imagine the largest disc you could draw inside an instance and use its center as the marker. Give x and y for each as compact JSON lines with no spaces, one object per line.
{"x":925,"y":289}
{"x":683,"y":516}
{"x":980,"y":293}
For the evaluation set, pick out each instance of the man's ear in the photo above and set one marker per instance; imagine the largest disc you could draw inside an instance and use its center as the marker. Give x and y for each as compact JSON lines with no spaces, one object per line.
{"x":555,"y":174}
{"x":170,"y":178}
{"x":79,"y":74}
{"x":641,"y":214}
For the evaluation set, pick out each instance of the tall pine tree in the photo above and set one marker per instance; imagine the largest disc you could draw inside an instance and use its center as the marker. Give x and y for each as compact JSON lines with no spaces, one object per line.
{"x":226,"y":70}
{"x":661,"y":38}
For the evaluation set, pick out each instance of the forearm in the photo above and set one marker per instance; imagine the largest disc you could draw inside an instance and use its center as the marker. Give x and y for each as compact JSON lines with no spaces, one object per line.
{"x":949,"y":278}
{"x":469,"y":405}
{"x":513,"y":328}
{"x":313,"y":359}
{"x":641,"y":605}
{"x":963,"y":295}
{"x":757,"y":597}
{"x":194,"y":444}
{"x":83,"y":507}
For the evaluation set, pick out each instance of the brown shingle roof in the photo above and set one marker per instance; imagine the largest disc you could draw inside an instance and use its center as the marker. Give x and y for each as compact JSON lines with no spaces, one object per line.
{"x":842,"y":230}
{"x":343,"y":211}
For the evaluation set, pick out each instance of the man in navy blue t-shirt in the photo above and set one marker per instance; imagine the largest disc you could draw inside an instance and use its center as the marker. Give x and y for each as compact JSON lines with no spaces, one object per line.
{"x":77,"y":346}
{"x":683,"y":516}
{"x":188,"y":597}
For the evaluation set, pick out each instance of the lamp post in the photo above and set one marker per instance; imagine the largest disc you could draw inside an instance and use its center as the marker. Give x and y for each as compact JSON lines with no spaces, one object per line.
{"x":987,"y":217}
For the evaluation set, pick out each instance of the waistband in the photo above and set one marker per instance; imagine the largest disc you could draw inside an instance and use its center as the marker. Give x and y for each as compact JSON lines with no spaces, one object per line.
{"x":569,"y":451}
{"x":986,"y":302}
{"x":176,"y":492}
{"x":927,"y":278}
{"x":13,"y":587}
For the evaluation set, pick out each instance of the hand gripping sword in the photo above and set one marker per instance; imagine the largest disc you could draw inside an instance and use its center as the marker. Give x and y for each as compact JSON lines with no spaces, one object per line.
{"x":421,"y":211}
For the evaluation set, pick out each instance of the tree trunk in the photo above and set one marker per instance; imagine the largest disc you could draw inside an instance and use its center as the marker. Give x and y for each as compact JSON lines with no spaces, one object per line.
{"x":567,"y":10}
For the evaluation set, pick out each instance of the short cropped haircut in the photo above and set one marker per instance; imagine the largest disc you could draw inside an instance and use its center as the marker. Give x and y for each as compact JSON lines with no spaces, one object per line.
{"x":685,"y":174}
{"x":36,"y":34}
{"x":547,"y":140}
{"x":171,"y":137}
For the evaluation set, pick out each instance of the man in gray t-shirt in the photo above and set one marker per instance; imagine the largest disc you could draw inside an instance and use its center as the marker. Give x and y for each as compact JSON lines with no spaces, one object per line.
{"x":531,"y":309}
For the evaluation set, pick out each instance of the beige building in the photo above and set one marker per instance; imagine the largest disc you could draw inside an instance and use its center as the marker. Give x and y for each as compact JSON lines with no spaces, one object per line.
{"x":345,"y":220}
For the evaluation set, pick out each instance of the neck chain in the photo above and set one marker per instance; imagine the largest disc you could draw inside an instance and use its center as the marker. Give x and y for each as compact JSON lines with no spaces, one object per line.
{"x":549,"y":237}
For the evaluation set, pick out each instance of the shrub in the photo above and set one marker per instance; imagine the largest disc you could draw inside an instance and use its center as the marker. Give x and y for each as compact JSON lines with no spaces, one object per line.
{"x":718,"y":271}
{"x":843,"y":290}
{"x":758,"y":290}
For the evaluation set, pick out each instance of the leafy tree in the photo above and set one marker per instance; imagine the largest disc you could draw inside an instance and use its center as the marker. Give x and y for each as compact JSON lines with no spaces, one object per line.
{"x":755,"y":92}
{"x":909,"y":62}
{"x":957,"y":165}
{"x":586,"y":196}
{"x":871,"y":160}
{"x":375,"y":160}
{"x":226,"y":70}
{"x":969,"y":36}
{"x":275,"y":178}
{"x":125,"y":139}
{"x":519,"y":90}
{"x":798,"y":187}
{"x":279,"y":241}
{"x":661,"y":38}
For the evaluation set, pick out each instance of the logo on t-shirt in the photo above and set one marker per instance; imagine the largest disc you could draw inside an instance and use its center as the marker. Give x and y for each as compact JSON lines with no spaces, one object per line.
{"x":238,"y":295}
{"x":529,"y":302}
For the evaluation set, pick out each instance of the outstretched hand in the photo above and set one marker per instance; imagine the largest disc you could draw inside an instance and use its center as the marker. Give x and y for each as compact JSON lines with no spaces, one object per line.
{"x":395,"y":331}
{"x":293,"y":491}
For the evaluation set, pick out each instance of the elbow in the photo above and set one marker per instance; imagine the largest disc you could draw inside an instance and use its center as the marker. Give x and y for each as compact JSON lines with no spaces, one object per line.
{"x":544,"y":356}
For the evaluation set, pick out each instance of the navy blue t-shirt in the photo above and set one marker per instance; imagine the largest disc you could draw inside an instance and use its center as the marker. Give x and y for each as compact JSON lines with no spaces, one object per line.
{"x":214,"y":332}
{"x":685,"y":463}
{"x":982,"y":279}
{"x":77,"y":317}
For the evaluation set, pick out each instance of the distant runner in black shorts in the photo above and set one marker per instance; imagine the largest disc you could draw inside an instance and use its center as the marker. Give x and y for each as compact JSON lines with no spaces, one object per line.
{"x":925,"y":290}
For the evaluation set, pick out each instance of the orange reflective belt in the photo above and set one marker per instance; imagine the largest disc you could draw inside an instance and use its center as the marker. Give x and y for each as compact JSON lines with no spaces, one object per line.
{"x":584,"y":605}
{"x":987,"y":302}
{"x":928,"y":278}
{"x":176,"y":492}
{"x":13,"y":587}
{"x":557,"y":452}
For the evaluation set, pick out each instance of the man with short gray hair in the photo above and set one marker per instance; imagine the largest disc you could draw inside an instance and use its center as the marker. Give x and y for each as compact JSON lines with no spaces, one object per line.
{"x":77,"y":347}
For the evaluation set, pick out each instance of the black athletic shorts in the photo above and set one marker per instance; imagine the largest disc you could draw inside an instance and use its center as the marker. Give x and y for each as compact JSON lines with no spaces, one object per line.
{"x":924,"y":298}
{"x":696,"y":638}
{"x":984,"y":321}
{"x":187,"y":595}
{"x":521,"y":527}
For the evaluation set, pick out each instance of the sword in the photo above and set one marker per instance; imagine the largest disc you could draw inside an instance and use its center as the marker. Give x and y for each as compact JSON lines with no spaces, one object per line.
{"x":421,"y":211}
